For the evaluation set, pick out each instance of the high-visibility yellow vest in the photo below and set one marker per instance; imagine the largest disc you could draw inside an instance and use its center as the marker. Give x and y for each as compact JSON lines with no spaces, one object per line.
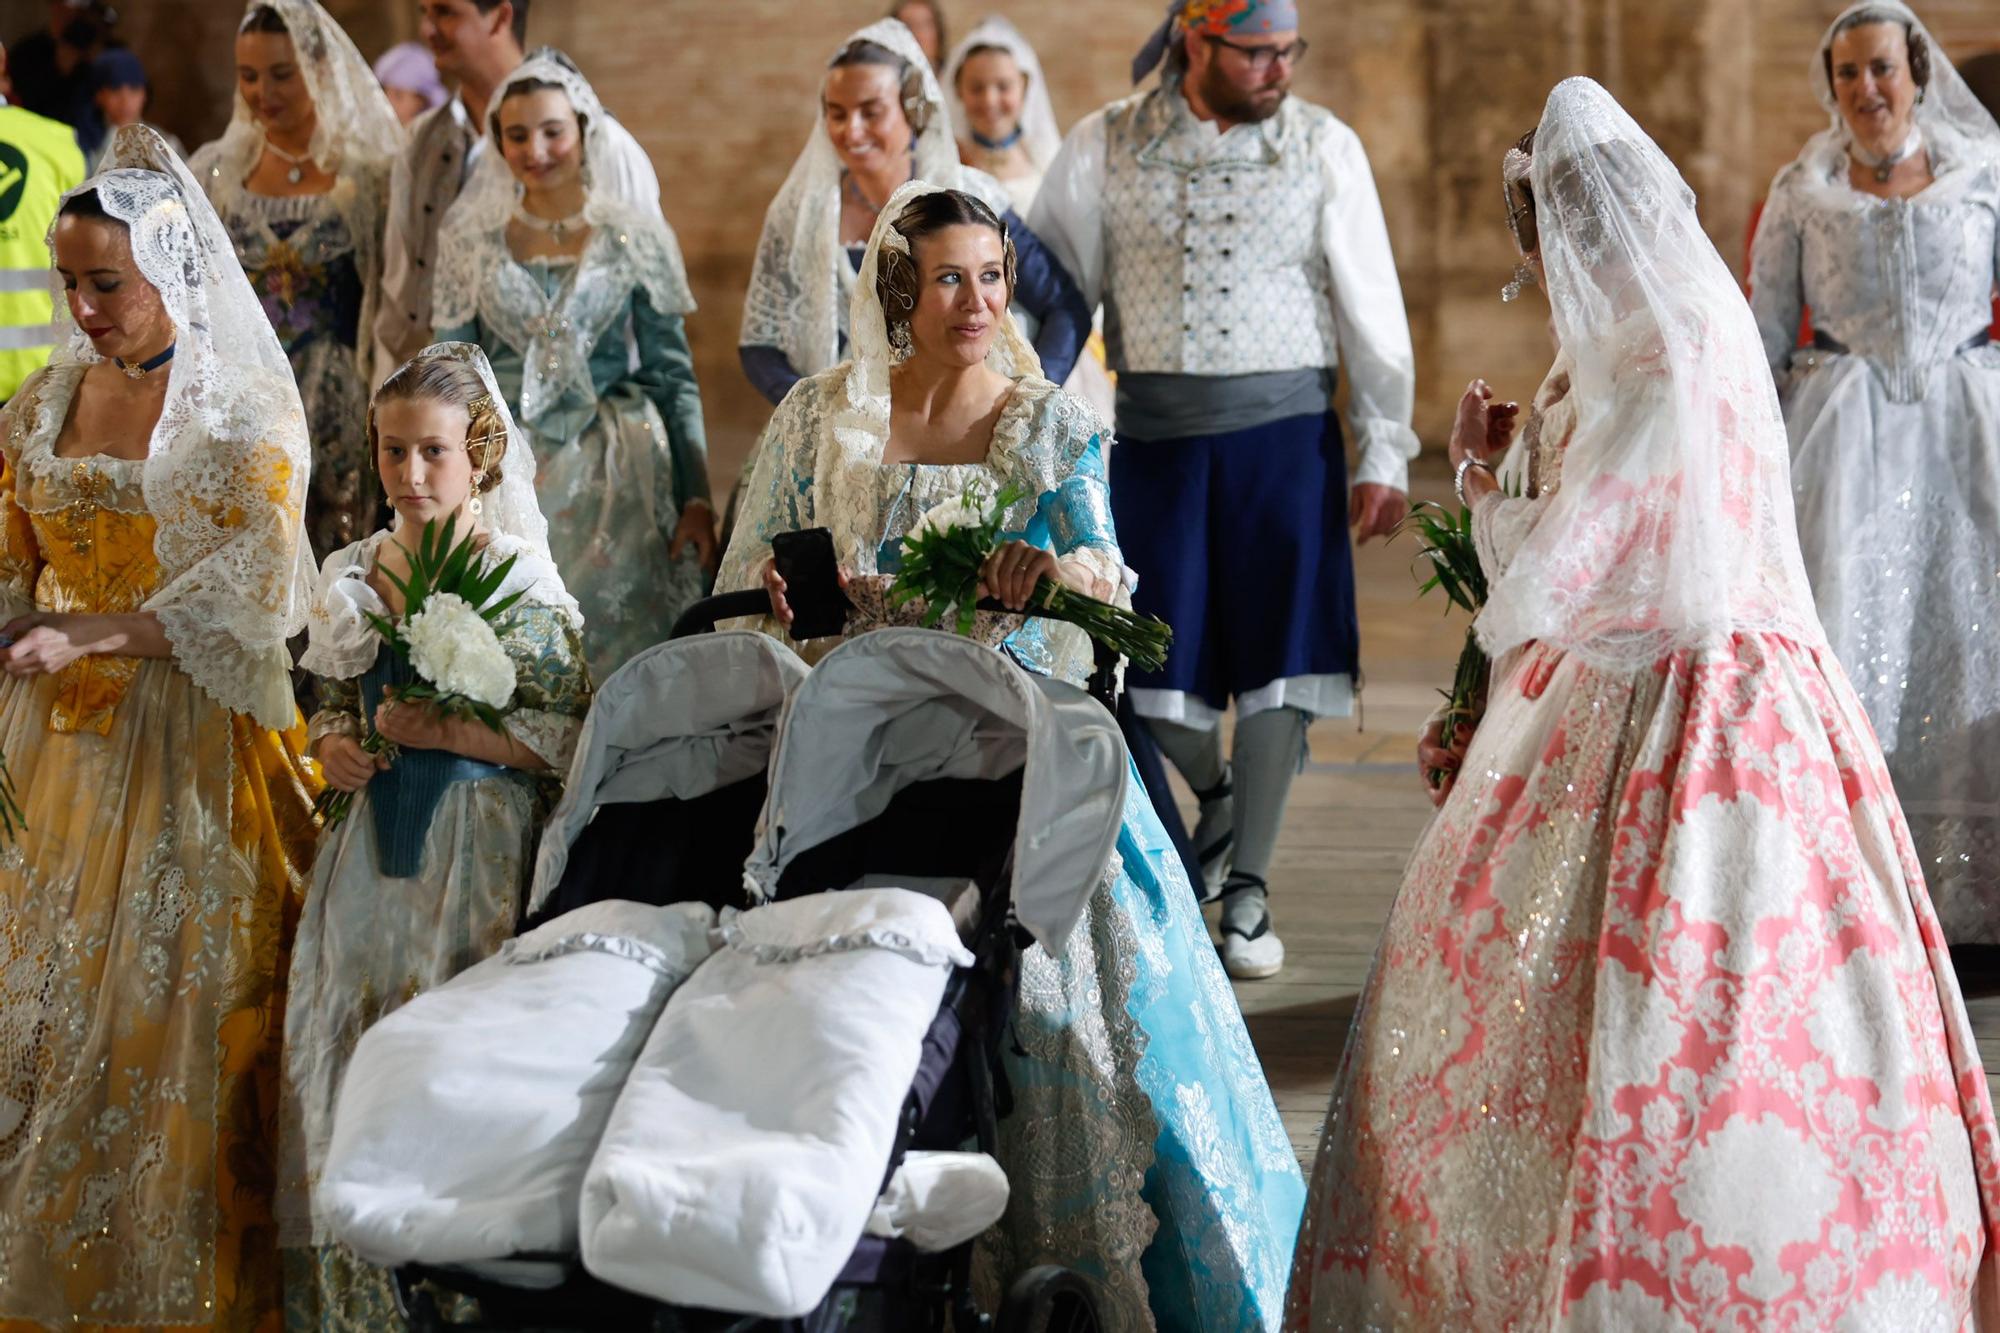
{"x":39,"y":160}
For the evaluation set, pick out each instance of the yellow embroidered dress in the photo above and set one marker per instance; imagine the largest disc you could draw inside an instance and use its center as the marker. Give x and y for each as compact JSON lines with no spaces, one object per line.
{"x":144,"y":921}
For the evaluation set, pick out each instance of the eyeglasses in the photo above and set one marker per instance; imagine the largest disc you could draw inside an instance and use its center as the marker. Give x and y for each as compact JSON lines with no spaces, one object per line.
{"x":1261,"y":58}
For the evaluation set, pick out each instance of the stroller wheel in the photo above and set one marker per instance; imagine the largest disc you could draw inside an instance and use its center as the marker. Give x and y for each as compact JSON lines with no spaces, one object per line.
{"x":1049,"y":1299}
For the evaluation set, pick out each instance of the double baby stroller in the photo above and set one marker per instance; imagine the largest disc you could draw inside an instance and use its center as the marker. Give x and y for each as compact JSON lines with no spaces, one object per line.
{"x":643,"y":1116}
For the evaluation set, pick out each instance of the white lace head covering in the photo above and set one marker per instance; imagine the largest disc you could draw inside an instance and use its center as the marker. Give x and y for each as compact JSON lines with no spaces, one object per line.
{"x":510,"y":509}
{"x":795,"y":289}
{"x":492,"y":190}
{"x":342,"y":644}
{"x":1948,"y":113}
{"x":1040,"y":134}
{"x":856,"y":425}
{"x":355,"y":124}
{"x":472,"y":260}
{"x":226,"y":470}
{"x":1672,"y":526}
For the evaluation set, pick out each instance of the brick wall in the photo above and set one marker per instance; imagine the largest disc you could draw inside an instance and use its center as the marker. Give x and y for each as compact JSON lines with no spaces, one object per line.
{"x":721,"y":92}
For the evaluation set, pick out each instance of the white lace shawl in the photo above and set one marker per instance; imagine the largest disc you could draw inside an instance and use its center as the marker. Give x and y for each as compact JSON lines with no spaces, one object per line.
{"x":801,"y":276}
{"x":477,"y":276}
{"x":1041,"y":135}
{"x":628,"y":251}
{"x":226,"y":470}
{"x":1672,"y":527}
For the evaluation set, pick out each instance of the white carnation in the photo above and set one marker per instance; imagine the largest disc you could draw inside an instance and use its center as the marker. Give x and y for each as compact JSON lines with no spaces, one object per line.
{"x":958,"y":512}
{"x":453,"y":648}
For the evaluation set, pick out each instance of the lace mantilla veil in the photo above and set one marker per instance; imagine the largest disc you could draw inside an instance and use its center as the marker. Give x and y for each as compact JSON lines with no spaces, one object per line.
{"x":356,"y":124}
{"x":1672,"y":527}
{"x":225,"y":473}
{"x":795,"y":291}
{"x":1949,"y":113}
{"x":342,"y":644}
{"x":1041,"y":135}
{"x":855,"y":429}
{"x":473,"y":262}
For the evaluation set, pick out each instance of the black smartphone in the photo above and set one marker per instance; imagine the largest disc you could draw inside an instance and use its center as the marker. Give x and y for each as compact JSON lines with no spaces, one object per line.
{"x":805,"y":562}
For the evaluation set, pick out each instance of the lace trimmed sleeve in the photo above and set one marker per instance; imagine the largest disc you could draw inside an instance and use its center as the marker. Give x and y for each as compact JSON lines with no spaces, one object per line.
{"x":230,"y":543}
{"x":1078,"y":510}
{"x":1500,"y":523}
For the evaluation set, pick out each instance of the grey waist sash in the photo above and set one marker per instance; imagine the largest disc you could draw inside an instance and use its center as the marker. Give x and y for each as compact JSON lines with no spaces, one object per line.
{"x":1170,"y":407}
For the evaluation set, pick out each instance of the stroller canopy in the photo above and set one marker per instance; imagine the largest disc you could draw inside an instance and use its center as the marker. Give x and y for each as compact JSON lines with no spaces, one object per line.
{"x":681,"y":719}
{"x":901,"y":706}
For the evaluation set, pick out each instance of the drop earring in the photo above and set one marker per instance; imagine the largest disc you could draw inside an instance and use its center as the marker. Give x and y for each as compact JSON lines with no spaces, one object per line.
{"x":1524,"y":277}
{"x":474,"y":505}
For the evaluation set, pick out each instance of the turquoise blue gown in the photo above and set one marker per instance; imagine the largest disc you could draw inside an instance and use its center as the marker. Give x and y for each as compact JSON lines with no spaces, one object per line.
{"x":593,"y":357}
{"x":1144,"y":1147}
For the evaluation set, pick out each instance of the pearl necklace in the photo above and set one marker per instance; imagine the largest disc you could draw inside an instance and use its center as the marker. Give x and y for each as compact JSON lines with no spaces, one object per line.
{"x":299,"y":162}
{"x":558,"y":229}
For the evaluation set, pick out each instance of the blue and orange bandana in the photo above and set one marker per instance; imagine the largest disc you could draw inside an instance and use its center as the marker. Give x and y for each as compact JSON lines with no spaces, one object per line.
{"x":1215,"y":18}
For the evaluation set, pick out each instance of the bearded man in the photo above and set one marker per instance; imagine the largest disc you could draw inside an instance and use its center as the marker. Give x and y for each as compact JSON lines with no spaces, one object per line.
{"x":1234,"y":237}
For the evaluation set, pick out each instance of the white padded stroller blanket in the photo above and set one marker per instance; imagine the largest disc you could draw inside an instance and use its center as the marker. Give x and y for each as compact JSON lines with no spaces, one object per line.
{"x":468,"y":1115}
{"x":751,"y":1142}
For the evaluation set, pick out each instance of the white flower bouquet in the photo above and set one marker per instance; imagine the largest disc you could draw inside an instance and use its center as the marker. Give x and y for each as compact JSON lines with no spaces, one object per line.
{"x":945,"y":551}
{"x":451,"y":634}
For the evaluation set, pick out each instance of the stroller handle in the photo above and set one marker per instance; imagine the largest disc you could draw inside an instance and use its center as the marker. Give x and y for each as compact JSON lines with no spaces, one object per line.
{"x":703,"y":616}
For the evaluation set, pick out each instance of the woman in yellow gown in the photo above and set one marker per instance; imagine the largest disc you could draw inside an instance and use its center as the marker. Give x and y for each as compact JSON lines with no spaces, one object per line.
{"x":152,"y":479}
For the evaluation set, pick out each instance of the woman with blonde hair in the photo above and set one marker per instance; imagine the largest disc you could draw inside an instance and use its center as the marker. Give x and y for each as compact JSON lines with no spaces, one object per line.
{"x":427,"y":873}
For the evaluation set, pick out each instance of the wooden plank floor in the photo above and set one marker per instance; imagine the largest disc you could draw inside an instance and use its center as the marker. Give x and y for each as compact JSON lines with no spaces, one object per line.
{"x":1355,"y":814}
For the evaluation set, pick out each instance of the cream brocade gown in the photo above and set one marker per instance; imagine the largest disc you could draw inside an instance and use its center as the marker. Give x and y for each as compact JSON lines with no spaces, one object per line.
{"x":144,"y":923}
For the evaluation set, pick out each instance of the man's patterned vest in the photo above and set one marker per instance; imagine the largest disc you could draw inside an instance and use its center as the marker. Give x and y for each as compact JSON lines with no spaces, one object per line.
{"x":1215,"y":259}
{"x":438,"y":148}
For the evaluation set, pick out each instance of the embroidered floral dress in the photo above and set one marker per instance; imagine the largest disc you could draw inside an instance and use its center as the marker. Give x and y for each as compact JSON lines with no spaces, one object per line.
{"x":1662,"y":1033}
{"x":1894,"y":415}
{"x":594,"y":358}
{"x":144,"y":920}
{"x":314,"y":261}
{"x":425,"y":876}
{"x":1144,"y":1147}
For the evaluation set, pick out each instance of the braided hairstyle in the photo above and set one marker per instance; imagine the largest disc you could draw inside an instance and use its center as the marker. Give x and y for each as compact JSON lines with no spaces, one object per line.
{"x":444,"y":379}
{"x":896,"y":277}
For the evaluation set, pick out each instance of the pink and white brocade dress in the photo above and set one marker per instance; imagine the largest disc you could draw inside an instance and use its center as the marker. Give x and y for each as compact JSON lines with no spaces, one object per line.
{"x":1662,"y":1033}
